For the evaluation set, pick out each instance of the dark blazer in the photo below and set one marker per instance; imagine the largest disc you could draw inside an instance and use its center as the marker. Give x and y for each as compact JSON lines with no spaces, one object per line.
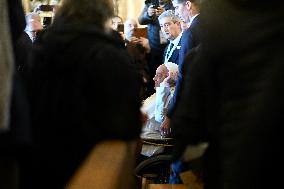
{"x":153,"y":26}
{"x":190,"y":39}
{"x":19,"y":134}
{"x":175,"y":55}
{"x":233,"y":97}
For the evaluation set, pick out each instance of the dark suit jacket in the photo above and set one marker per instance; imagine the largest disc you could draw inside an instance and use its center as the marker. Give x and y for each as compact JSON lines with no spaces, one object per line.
{"x":175,"y":56}
{"x":233,"y":96}
{"x":19,"y":135}
{"x":190,"y":39}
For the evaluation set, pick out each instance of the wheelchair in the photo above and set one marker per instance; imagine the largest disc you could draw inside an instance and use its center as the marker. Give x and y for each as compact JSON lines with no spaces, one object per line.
{"x":156,"y":169}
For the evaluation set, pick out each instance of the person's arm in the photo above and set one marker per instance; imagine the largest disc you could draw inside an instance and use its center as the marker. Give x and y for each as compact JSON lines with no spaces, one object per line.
{"x":144,"y":42}
{"x":147,"y":16}
{"x":163,"y":96}
{"x":165,"y":128}
{"x":175,"y":97}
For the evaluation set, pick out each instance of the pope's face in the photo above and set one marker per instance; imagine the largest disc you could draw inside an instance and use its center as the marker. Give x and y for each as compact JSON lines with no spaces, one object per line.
{"x":161,"y":74}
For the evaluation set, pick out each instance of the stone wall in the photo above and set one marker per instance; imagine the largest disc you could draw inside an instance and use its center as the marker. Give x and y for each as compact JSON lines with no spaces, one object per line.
{"x":130,"y":8}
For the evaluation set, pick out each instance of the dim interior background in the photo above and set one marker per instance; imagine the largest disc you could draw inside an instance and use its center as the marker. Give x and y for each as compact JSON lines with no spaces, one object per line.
{"x":123,"y":8}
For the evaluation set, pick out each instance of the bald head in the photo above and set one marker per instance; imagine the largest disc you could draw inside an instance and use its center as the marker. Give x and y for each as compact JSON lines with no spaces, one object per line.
{"x":129,"y":27}
{"x":33,"y":25}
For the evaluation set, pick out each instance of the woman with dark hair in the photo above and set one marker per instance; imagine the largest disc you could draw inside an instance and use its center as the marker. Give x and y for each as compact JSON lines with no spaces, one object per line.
{"x":83,"y":90}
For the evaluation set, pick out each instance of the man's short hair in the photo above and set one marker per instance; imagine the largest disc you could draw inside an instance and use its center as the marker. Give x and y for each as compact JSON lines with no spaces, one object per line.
{"x":196,"y":2}
{"x":169,"y":14}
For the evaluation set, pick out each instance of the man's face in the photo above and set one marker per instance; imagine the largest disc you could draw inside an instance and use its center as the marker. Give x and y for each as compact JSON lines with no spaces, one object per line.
{"x":170,"y":29}
{"x":129,"y":27}
{"x":161,"y":74}
{"x":33,"y":27}
{"x":115,"y":22}
{"x":182,"y":10}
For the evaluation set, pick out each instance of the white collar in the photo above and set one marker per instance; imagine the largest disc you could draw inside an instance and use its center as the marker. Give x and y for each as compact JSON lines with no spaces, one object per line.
{"x":176,"y":40}
{"x":169,"y":52}
{"x":191,"y":19}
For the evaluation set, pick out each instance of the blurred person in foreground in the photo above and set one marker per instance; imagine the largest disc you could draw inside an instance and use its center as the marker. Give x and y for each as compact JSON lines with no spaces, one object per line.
{"x":233,"y":97}
{"x":83,"y":90}
{"x":15,"y":139}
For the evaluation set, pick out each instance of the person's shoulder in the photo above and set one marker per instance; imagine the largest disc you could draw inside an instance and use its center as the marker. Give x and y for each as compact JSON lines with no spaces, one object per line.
{"x":169,"y":6}
{"x":109,"y":43}
{"x":186,"y":34}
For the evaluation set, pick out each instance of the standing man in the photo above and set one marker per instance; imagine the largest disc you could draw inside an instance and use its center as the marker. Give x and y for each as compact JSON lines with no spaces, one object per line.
{"x":149,"y":16}
{"x":138,"y":51}
{"x":188,"y":11}
{"x":171,"y":28}
{"x":234,"y":97}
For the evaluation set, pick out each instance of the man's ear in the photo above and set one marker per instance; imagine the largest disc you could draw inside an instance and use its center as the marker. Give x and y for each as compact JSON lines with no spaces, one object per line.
{"x":178,"y":23}
{"x":188,"y":5}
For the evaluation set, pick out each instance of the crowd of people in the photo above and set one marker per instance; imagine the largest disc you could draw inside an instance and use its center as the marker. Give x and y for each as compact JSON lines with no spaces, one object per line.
{"x":208,"y":75}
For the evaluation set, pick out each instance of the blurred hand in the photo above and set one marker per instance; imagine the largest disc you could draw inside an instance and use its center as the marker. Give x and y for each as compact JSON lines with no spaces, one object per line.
{"x":159,"y":11}
{"x":122,"y":35}
{"x":145,"y":43}
{"x":151,"y":11}
{"x":134,"y":40}
{"x":165,"y":129}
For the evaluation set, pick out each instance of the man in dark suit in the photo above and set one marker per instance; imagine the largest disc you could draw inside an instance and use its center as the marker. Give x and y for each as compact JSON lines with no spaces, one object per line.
{"x":234,"y":96}
{"x":171,"y":29}
{"x":188,"y":11}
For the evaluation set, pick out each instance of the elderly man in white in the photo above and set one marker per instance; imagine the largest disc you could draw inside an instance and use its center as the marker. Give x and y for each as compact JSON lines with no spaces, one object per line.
{"x":33,"y":25}
{"x":155,"y":107}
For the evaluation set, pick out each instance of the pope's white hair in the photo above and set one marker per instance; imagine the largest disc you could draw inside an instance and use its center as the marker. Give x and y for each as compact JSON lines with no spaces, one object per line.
{"x":172,"y":67}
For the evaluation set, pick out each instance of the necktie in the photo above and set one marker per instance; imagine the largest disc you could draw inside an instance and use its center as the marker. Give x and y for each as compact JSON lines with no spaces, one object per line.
{"x":169,"y":49}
